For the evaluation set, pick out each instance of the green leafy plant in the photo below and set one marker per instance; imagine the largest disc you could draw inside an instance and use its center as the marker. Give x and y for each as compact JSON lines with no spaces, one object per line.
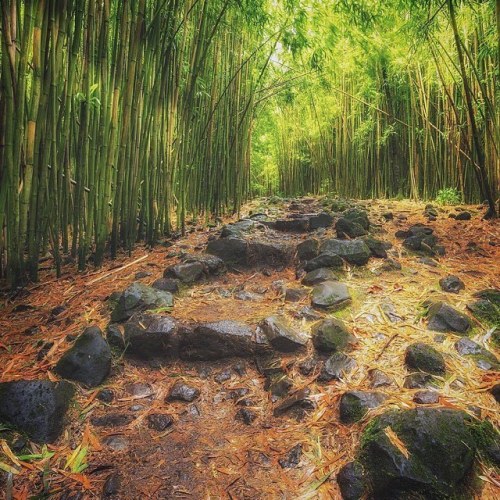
{"x":448,"y":196}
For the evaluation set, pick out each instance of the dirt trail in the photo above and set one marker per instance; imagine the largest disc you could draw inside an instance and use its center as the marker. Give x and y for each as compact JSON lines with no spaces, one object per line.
{"x":207,"y":453}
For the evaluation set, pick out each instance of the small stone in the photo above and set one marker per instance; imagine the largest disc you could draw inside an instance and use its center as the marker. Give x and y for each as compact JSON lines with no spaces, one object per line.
{"x":106,"y":396}
{"x":278,"y":384}
{"x":318,"y":276}
{"x":139,"y":390}
{"x":307,"y":313}
{"x":351,"y":482}
{"x":308,"y":249}
{"x":418,"y":380}
{"x":141,"y":274}
{"x":112,"y":485}
{"x":159,"y":421}
{"x":112,"y":420}
{"x":443,"y":318}
{"x":331,"y":295}
{"x":355,"y":404}
{"x":295,"y":294}
{"x":281,"y":336}
{"x":308,"y":366}
{"x":426,"y":397}
{"x":116,"y":443}
{"x":223,"y":376}
{"x":336,"y":366}
{"x":451,"y":284}
{"x":183,"y":392}
{"x":379,"y":378}
{"x":463,"y":216}
{"x":246,"y":415}
{"x":300,"y":398}
{"x":495,"y":392}
{"x":166,"y":285}
{"x":89,"y":359}
{"x":425,"y":358}
{"x":187,"y":273}
{"x":331,"y":335}
{"x":292,"y":458}
{"x":324,"y":260}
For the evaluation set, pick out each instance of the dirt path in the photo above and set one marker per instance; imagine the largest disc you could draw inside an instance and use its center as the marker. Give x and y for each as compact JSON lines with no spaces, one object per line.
{"x":207,"y":452}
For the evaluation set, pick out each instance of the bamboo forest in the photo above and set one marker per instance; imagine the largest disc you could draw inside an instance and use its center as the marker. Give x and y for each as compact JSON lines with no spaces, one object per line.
{"x":249,"y":249}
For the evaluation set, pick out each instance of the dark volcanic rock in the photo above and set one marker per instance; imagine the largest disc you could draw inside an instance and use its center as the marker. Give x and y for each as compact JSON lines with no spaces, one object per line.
{"x":36,"y":407}
{"x":358,"y":216}
{"x":88,"y":361}
{"x":336,"y":366}
{"x":106,"y":396}
{"x":139,"y":297}
{"x":425,"y":358}
{"x":330,"y":295}
{"x":378,"y":248}
{"x":159,"y":421}
{"x":233,"y":251}
{"x":299,"y":399}
{"x":246,"y":415}
{"x":379,"y":378}
{"x":418,"y":380}
{"x":183,"y":392}
{"x":318,"y":276}
{"x":348,"y":228}
{"x":440,"y":453}
{"x":166,"y":285}
{"x":187,"y":273}
{"x":114,"y":336}
{"x":495,"y":392}
{"x":353,"y":251}
{"x":463,"y":216}
{"x":308,"y":249}
{"x":355,"y":404}
{"x":295,"y":225}
{"x":293,"y":457}
{"x":295,"y":294}
{"x":268,"y":253}
{"x":281,"y":336}
{"x":484,"y":358}
{"x":149,"y":336}
{"x":426,"y":397}
{"x":331,"y":335}
{"x":112,"y":485}
{"x":221,"y":339}
{"x":325,"y":259}
{"x":443,"y":318}
{"x":322,"y":219}
{"x":212,"y":264}
{"x":278,"y":384}
{"x":112,"y":420}
{"x":451,"y":284}
{"x":351,"y":481}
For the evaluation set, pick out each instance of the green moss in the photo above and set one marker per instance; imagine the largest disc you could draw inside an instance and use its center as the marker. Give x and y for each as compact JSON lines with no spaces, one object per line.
{"x":485,"y":435}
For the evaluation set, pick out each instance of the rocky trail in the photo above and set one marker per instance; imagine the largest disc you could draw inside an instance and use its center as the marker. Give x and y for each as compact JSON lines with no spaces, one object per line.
{"x":312,"y":348}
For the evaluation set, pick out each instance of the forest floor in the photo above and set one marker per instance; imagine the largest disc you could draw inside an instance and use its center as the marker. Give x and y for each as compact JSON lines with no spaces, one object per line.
{"x":207,"y":453}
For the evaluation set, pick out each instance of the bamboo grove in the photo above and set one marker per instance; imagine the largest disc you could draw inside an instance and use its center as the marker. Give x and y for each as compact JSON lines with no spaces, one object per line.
{"x":118,"y":115}
{"x":400,"y":99}
{"x":122,"y":120}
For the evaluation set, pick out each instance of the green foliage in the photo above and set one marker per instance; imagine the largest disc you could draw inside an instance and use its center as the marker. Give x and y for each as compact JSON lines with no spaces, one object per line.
{"x":448,"y":196}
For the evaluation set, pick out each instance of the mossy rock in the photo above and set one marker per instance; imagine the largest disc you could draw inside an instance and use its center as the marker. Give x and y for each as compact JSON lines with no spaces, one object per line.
{"x":423,"y":451}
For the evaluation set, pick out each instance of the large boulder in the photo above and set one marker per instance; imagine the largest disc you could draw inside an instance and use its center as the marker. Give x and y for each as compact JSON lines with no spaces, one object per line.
{"x":140,"y":297}
{"x":212,"y":264}
{"x":331,"y":335}
{"x":418,"y":453}
{"x":281,"y":336}
{"x":323,"y":219}
{"x":353,"y":251}
{"x":88,"y":361}
{"x":331,"y":295}
{"x":443,"y":318}
{"x":151,"y":336}
{"x":221,"y":339}
{"x":36,"y":407}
